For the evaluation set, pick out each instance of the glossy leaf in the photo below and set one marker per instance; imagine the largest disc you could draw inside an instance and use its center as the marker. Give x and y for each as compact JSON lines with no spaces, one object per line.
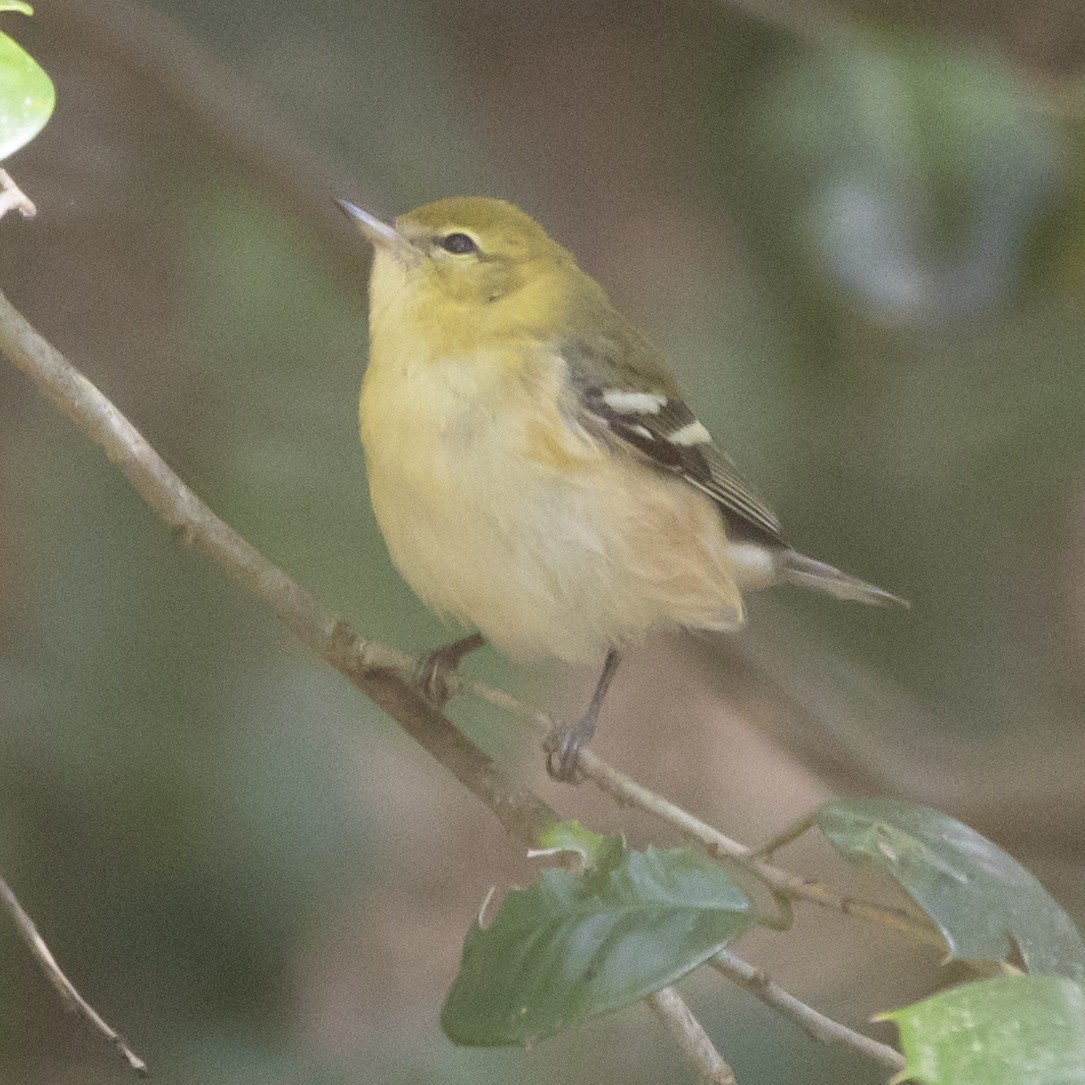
{"x":27,"y":95}
{"x":1012,"y":1030}
{"x":576,"y":945}
{"x":977,"y":895}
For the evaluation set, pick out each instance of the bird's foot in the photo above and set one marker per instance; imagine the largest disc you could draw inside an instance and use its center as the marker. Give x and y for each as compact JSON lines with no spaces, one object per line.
{"x":431,"y":675}
{"x":563,"y":747}
{"x":563,"y":750}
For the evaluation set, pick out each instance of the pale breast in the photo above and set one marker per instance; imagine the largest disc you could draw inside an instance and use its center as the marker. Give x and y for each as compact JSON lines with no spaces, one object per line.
{"x":517,"y":521}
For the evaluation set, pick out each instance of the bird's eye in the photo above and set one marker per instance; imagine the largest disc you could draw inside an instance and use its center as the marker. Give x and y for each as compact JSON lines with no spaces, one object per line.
{"x":458,"y":243}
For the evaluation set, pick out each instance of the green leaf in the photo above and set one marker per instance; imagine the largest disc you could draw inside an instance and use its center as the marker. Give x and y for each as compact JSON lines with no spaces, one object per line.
{"x":577,"y":945}
{"x":1012,"y":1030}
{"x":570,"y":836}
{"x":977,"y":895}
{"x":27,"y":95}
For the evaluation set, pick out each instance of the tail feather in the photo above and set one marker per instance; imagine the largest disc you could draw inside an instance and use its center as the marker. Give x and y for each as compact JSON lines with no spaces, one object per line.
{"x":809,"y":573}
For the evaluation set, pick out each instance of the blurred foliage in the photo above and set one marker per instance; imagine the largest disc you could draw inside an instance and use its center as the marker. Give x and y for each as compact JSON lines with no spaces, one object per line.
{"x":915,"y":172}
{"x":865,"y":256}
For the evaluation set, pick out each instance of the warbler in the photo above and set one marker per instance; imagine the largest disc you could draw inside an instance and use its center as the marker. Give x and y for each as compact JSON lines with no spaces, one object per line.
{"x":532,"y":465}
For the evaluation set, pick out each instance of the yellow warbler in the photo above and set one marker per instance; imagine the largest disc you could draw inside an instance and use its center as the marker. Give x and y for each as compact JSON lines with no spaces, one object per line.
{"x":532,"y":465}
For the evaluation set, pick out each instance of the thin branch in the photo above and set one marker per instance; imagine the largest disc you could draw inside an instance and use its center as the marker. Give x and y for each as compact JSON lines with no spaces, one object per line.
{"x":232,"y":116}
{"x":816,"y":1025}
{"x":372,"y":668}
{"x":375,"y":670}
{"x":627,"y":792}
{"x":691,"y":1038}
{"x":784,"y":837}
{"x":12,"y":198}
{"x":43,"y":955}
{"x":792,"y":886}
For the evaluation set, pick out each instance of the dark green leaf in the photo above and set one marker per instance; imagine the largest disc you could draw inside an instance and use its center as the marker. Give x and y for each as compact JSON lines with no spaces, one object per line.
{"x":1012,"y":1030}
{"x":977,"y":895}
{"x":574,"y":946}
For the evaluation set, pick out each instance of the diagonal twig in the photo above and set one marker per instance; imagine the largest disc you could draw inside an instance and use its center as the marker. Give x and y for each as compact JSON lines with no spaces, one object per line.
{"x":816,"y":1025}
{"x":691,"y":1037}
{"x":43,"y":955}
{"x":783,"y":882}
{"x":628,"y":792}
{"x":372,"y":668}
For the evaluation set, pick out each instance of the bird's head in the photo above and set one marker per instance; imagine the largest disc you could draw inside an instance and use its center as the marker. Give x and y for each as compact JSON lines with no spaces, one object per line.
{"x":467,"y":258}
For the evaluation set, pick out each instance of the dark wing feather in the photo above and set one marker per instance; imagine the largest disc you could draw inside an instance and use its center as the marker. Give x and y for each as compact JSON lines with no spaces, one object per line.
{"x":639,"y":406}
{"x":701,"y":464}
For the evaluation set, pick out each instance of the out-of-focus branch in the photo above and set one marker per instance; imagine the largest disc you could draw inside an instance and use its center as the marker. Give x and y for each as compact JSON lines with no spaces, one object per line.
{"x":808,"y":22}
{"x":44,"y":957}
{"x":282,"y":163}
{"x":691,"y":1038}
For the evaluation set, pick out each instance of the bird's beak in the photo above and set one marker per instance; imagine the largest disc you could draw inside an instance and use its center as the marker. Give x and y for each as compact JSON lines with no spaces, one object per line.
{"x":380,"y":233}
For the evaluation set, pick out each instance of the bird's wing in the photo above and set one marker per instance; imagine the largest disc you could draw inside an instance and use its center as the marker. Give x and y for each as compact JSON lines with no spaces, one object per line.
{"x":647,"y":416}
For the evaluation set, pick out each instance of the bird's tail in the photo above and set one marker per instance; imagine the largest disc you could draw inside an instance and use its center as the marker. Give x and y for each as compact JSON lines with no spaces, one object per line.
{"x":808,"y":573}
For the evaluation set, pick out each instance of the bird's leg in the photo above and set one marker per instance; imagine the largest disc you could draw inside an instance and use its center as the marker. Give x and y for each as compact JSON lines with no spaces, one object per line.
{"x":432,"y":673}
{"x":563,"y":747}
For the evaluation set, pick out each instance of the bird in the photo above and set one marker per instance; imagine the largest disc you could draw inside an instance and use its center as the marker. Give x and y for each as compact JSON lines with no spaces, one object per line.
{"x":533,"y":467}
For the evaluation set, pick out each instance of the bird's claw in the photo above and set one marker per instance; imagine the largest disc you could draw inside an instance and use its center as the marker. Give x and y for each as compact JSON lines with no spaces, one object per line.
{"x":563,"y":753}
{"x":431,"y":674}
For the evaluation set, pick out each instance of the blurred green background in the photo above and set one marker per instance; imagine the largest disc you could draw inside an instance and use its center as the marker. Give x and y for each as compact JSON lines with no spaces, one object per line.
{"x":859,"y":238}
